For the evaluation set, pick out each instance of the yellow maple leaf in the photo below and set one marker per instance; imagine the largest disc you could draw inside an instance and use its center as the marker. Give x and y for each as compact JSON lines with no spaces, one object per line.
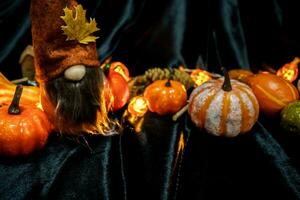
{"x":78,"y":28}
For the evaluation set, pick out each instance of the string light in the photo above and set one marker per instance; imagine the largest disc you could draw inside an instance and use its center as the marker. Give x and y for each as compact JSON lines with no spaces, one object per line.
{"x":289,"y":71}
{"x":137,"y":106}
{"x":200,"y":76}
{"x":135,"y":112}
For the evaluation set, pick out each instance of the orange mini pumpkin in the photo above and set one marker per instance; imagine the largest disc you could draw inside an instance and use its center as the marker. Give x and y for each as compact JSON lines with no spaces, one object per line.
{"x":23,"y":129}
{"x":272,"y":92}
{"x":165,"y":96}
{"x":223,"y":107}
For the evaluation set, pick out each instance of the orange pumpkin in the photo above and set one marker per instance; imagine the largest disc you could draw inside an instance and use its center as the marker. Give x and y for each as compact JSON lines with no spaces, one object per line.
{"x":240,"y":74}
{"x":272,"y":92}
{"x":165,"y":96}
{"x":223,"y":107}
{"x":23,"y":129}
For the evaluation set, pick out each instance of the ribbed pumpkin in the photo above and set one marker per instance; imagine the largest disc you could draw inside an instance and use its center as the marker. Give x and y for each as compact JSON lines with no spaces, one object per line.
{"x":223,"y":107}
{"x":272,"y":92}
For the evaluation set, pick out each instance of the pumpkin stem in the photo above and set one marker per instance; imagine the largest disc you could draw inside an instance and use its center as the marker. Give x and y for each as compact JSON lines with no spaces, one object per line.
{"x":106,"y":69}
{"x":14,"y":108}
{"x":171,"y":77}
{"x":168,"y":83}
{"x":227,"y":84}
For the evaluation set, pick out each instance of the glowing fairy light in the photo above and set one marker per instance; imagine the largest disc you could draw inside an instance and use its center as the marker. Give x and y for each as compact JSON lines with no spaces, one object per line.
{"x":289,"y":71}
{"x":200,"y":76}
{"x":138,"y":106}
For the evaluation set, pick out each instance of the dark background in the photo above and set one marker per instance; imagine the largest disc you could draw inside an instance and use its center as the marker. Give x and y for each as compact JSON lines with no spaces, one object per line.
{"x":144,"y":33}
{"x":264,"y":164}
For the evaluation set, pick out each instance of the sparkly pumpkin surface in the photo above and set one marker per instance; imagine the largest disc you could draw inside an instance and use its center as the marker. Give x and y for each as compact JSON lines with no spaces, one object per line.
{"x":222,"y":112}
{"x":22,"y":134}
{"x":163,"y":99}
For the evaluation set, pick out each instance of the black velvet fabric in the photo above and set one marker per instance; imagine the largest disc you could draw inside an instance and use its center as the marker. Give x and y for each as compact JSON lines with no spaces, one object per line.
{"x":263,"y":164}
{"x":66,"y":169}
{"x":166,"y":160}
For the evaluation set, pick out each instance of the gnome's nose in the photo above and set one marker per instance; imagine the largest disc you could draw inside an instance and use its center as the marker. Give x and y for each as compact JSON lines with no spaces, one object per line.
{"x":75,"y":72}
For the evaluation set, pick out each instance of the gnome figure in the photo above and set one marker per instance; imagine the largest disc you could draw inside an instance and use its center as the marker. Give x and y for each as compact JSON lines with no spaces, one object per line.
{"x":67,"y":67}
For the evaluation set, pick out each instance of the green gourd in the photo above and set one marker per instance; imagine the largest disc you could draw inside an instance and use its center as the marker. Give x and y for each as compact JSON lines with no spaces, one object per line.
{"x":290,"y":118}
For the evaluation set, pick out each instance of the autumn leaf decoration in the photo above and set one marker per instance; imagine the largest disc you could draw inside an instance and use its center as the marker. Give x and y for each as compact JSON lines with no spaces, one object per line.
{"x":78,"y":28}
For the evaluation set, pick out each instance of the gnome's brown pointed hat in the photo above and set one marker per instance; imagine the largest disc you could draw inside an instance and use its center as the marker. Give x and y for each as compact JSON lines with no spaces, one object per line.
{"x":53,"y":53}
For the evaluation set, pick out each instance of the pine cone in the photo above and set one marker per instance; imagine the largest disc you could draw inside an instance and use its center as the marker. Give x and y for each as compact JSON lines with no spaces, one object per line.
{"x":154,"y":74}
{"x":184,"y":78}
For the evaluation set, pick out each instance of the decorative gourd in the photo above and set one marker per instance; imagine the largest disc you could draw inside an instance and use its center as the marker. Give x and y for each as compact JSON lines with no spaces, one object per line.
{"x":121,"y":69}
{"x":119,"y":88}
{"x":30,"y":95}
{"x":23,"y":129}
{"x":290,"y":118}
{"x":165,"y":96}
{"x":223,"y":107}
{"x":240,"y":74}
{"x":272,"y":92}
{"x":298,"y":85}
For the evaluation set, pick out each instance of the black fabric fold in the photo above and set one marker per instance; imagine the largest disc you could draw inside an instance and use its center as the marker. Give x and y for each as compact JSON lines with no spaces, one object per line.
{"x":273,"y":151}
{"x":250,"y":166}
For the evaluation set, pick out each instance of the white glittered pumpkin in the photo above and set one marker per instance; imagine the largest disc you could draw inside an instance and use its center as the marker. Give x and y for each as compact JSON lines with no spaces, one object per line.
{"x":223,"y":107}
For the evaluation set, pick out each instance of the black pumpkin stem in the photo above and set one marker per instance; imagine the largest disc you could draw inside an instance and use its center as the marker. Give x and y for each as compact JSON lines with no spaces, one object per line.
{"x":227,"y":84}
{"x":168,"y":83}
{"x":106,"y":69}
{"x":171,"y":77}
{"x":14,"y":108}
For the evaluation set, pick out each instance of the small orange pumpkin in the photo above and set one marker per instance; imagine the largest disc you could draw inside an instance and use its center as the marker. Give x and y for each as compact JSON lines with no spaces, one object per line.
{"x":23,"y":129}
{"x":272,"y":92}
{"x":223,"y":107}
{"x":165,"y":96}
